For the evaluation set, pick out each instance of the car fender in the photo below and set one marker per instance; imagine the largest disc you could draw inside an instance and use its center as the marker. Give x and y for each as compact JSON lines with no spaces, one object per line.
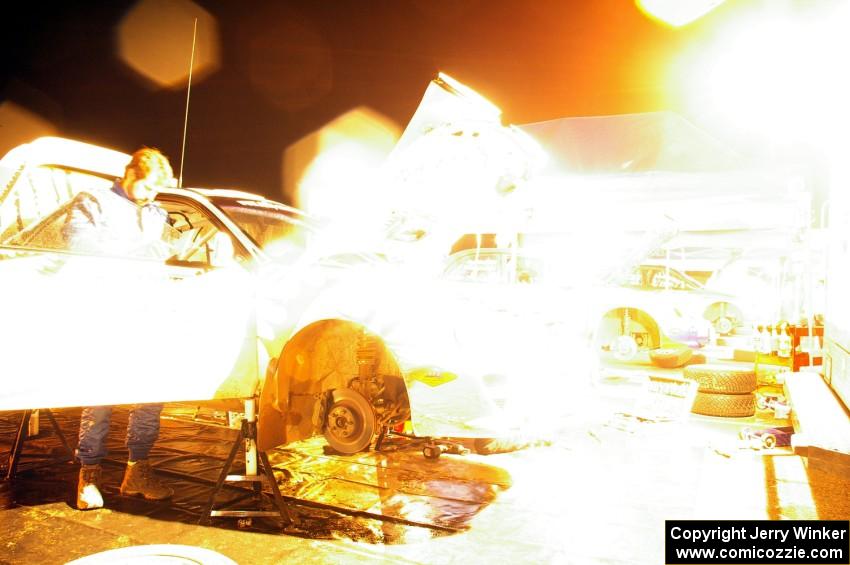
{"x":445,"y":381}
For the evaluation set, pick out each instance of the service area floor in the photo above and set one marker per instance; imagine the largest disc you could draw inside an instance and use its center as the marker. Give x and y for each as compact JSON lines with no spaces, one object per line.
{"x":597,"y":492}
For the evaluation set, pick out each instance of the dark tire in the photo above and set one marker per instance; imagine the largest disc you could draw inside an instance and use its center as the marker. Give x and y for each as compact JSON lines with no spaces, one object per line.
{"x":722,"y":379}
{"x":729,"y":405}
{"x":670,"y":358}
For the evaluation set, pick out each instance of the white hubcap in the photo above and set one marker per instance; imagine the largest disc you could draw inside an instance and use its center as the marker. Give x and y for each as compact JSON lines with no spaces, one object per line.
{"x":625,"y":348}
{"x":723,"y":325}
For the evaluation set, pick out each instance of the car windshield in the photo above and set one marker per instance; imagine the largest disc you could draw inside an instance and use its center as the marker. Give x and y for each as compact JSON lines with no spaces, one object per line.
{"x":658,"y":277}
{"x":267,"y":223}
{"x":688,"y":281}
{"x":493,"y":266}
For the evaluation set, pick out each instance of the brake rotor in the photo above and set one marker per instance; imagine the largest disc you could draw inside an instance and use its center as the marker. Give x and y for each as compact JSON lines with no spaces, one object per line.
{"x":350,"y":422}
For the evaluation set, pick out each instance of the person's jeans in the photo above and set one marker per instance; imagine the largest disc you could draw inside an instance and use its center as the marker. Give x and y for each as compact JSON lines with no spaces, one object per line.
{"x":142,"y":431}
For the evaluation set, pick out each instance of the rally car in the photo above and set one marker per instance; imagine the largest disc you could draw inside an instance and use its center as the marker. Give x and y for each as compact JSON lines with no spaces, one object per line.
{"x":246,"y":298}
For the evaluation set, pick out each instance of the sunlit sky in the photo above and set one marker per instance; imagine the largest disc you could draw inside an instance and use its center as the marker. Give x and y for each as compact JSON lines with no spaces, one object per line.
{"x":270,"y":73}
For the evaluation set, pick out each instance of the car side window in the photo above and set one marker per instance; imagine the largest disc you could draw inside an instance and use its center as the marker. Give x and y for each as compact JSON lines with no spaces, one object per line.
{"x":489,"y":267}
{"x":200,"y":240}
{"x":99,"y":223}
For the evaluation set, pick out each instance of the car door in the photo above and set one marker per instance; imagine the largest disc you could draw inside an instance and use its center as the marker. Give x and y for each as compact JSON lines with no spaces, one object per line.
{"x":209,"y":298}
{"x":88,"y":328}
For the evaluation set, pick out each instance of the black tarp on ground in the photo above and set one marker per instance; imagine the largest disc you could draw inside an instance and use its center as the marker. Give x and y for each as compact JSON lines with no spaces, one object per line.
{"x":338,"y":496}
{"x":599,"y":492}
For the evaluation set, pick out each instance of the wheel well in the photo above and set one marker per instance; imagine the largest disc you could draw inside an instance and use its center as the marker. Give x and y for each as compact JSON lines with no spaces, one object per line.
{"x":320,"y":357}
{"x":611,"y":326}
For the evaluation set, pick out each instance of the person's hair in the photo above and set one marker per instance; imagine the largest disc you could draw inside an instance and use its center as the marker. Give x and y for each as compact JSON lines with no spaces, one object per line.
{"x":149,"y":160}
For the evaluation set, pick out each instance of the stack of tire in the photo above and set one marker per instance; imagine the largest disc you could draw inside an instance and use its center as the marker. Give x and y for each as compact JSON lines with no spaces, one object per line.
{"x":723,"y":390}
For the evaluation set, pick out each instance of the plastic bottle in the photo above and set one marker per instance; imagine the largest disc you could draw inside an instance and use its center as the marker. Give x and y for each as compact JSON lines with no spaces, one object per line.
{"x":765,"y":340}
{"x":757,"y":338}
{"x":783,"y":348}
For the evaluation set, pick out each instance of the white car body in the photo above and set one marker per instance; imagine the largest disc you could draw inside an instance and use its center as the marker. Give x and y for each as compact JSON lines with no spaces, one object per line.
{"x":580,"y":314}
{"x":92,"y":330}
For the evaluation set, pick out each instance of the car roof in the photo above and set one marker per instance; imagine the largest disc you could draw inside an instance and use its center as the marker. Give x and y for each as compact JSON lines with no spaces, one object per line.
{"x":242,"y":197}
{"x":69,"y":153}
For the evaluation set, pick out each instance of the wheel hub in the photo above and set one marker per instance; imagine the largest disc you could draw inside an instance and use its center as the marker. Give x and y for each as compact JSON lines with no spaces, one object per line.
{"x":350,"y":422}
{"x":723,"y":325}
{"x":342,"y":422}
{"x":625,"y":348}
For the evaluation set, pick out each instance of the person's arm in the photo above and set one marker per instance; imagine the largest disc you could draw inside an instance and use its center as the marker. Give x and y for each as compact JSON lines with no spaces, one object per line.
{"x":83,"y":223}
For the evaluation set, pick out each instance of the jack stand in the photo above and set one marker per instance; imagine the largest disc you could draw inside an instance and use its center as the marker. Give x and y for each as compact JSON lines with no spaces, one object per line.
{"x":248,"y":433}
{"x":27,"y":428}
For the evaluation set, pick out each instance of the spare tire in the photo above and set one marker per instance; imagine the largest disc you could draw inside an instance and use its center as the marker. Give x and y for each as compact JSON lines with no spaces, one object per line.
{"x":722,"y":378}
{"x":156,"y":553}
{"x":730,"y":405}
{"x":670,"y":357}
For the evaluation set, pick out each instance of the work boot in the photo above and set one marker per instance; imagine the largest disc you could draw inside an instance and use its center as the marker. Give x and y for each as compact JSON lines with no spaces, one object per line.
{"x":88,"y":488}
{"x":140,"y":479}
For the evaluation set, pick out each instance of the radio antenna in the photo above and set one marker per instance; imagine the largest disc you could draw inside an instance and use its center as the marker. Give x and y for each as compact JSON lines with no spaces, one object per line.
{"x":188,"y":93}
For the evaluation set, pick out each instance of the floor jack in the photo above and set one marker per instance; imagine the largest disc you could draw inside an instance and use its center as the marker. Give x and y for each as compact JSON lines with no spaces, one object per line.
{"x":253,"y":460}
{"x":432,"y":448}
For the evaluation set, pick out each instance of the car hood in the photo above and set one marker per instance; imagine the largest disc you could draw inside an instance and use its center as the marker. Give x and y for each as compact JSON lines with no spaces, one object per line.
{"x":458,"y":169}
{"x":457,"y":162}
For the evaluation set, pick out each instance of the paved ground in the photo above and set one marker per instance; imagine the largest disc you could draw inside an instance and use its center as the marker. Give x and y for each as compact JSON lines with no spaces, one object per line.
{"x":598,"y":493}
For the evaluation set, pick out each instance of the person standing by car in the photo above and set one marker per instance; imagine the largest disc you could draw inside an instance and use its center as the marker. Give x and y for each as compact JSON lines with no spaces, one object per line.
{"x":125,"y":220}
{"x":147,"y":171}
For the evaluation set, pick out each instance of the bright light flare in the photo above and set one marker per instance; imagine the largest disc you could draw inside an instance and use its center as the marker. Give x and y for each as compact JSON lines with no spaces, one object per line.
{"x":155,"y":40}
{"x":328,"y":172}
{"x":467,"y":178}
{"x":677,"y":13}
{"x":773,"y":73}
{"x":580,"y":218}
{"x":476,"y":105}
{"x":456,"y":161}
